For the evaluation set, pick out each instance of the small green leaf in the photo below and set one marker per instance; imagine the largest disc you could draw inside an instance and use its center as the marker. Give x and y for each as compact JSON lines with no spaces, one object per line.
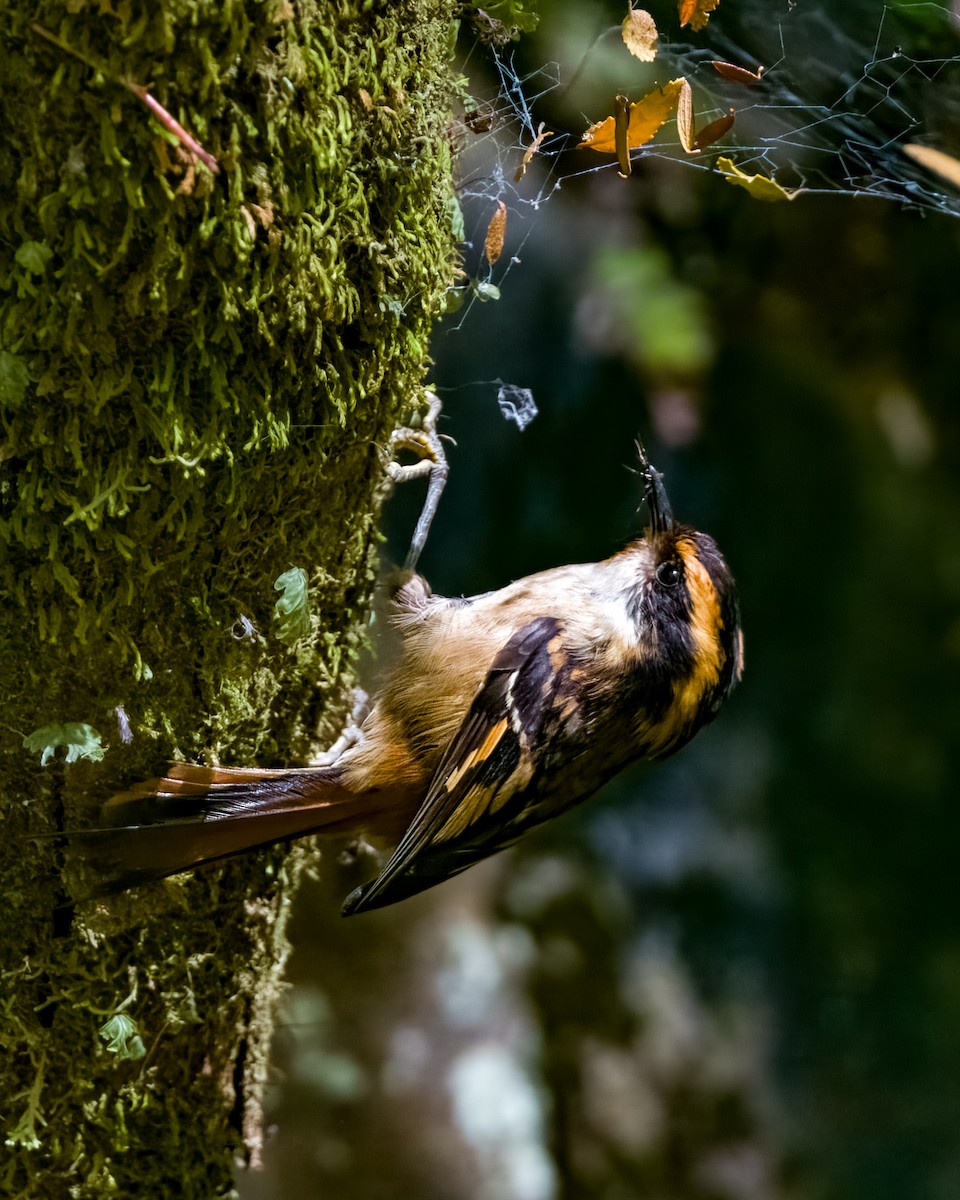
{"x":81,"y":741}
{"x":391,"y":305}
{"x":486,"y":291}
{"x":292,"y":610}
{"x":452,"y":299}
{"x":455,"y":217}
{"x":123,"y":1040}
{"x":33,"y":256}
{"x":13,"y":378}
{"x":517,"y":14}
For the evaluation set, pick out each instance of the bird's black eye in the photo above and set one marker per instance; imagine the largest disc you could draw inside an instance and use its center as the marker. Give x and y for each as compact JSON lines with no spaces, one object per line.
{"x":668,"y":574}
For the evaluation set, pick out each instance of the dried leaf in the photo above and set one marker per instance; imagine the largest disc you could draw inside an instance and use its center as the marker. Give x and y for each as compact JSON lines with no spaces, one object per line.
{"x":600,"y":136}
{"x":737,"y":74}
{"x":640,"y":34}
{"x":714,"y":131}
{"x":944,"y":165}
{"x":696,"y":13}
{"x":481,"y":118}
{"x":496,"y":231}
{"x":685,"y":118}
{"x":621,"y":131}
{"x":365,"y":99}
{"x":690,"y":140}
{"x":646,"y":117}
{"x":759,"y":186}
{"x":531,"y":151}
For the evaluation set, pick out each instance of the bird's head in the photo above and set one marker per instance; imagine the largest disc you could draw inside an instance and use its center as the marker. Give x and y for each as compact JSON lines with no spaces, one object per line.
{"x":687,"y":615}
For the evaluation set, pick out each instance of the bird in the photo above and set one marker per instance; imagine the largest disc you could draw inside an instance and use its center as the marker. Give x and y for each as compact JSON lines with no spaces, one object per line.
{"x":502,"y":711}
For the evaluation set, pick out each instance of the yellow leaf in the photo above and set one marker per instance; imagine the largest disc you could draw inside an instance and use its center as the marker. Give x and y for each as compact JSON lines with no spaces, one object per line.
{"x":496,"y":231}
{"x":640,"y":34}
{"x":944,"y":165}
{"x":759,"y":186}
{"x":696,"y":13}
{"x":690,"y":140}
{"x":646,"y":117}
{"x":685,"y":118}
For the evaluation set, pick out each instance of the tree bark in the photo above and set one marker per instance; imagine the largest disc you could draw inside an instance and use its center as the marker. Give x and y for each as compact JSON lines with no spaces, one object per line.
{"x":198,"y":373}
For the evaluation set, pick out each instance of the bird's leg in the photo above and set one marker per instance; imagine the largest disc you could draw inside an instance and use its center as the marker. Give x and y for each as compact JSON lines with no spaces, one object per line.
{"x":352,"y":732}
{"x":426,"y":445}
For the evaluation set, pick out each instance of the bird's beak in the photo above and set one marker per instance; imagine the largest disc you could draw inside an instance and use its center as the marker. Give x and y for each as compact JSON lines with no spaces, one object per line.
{"x":655,"y":495}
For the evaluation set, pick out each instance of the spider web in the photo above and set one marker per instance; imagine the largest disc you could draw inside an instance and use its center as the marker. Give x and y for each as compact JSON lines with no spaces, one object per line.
{"x":846,"y":86}
{"x":491,"y":170}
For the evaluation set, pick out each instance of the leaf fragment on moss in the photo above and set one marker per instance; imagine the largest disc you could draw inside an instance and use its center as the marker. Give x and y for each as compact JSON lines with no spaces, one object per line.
{"x":292,"y":609}
{"x":33,"y":256}
{"x":122,"y":1037}
{"x":14,"y":378}
{"x":80,"y":740}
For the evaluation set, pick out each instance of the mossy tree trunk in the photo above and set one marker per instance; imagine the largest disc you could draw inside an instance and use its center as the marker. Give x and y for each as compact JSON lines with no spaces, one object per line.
{"x":198,"y":373}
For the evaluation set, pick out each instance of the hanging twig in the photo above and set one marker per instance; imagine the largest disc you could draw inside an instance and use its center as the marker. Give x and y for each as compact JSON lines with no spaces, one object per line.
{"x":165,"y":118}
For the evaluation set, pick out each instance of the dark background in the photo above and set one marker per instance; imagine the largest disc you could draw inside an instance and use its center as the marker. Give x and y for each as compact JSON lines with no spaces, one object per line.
{"x":735,"y":974}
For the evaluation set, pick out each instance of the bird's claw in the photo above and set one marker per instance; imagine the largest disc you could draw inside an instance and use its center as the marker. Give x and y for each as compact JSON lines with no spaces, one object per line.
{"x":425,"y":443}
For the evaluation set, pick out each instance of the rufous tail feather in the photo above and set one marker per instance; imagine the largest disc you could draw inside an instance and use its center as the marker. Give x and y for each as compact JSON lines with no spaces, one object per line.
{"x":198,"y":815}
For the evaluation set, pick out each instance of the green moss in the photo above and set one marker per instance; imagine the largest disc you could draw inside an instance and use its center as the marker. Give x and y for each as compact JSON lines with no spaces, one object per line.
{"x":197,"y":373}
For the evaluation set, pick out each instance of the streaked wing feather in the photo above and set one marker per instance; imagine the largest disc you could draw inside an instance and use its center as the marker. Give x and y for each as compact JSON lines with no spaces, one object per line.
{"x":481,"y":762}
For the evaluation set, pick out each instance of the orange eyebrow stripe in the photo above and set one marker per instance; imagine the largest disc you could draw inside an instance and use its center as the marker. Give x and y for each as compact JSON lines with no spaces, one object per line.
{"x":706,"y":622}
{"x":703,"y":595}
